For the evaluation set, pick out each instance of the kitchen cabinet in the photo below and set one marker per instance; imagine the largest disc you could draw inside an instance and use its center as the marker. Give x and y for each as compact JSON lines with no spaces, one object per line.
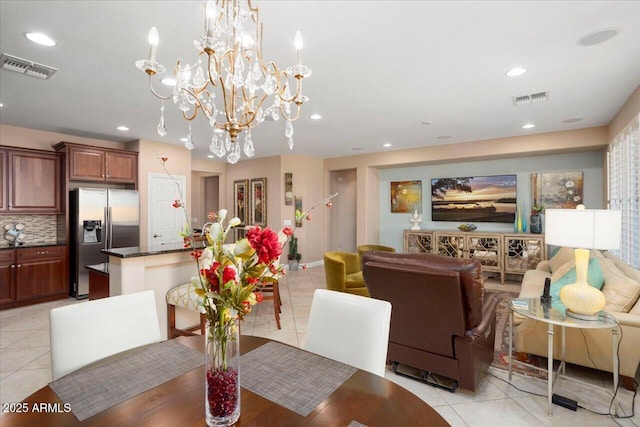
{"x":31,"y":181}
{"x":88,"y":163}
{"x":3,"y":181}
{"x":497,"y":252}
{"x":33,"y":275}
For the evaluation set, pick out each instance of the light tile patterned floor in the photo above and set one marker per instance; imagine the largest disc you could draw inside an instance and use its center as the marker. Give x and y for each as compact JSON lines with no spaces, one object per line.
{"x":25,"y":366}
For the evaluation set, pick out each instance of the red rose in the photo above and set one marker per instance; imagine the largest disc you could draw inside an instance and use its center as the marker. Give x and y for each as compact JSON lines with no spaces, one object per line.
{"x":164,"y":159}
{"x":259,"y":297}
{"x":251,"y":280}
{"x":176,"y":203}
{"x":266,"y":244}
{"x":211,"y":216}
{"x":228,"y":274}
{"x":308,"y":217}
{"x":287,"y":231}
{"x":196,"y":254}
{"x":212,"y":279}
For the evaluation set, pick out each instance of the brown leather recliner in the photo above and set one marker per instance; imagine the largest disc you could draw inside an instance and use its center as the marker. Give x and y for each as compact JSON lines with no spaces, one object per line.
{"x":442,"y":321}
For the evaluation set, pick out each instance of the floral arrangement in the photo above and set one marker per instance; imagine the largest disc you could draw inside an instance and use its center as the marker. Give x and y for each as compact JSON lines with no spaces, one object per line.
{"x":536,"y":209}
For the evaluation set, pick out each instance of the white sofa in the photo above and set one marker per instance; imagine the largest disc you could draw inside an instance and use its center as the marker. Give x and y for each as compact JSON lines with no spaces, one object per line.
{"x":594,"y":348}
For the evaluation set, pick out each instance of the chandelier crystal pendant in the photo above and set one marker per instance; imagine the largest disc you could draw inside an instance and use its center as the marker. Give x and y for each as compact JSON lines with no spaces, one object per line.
{"x":230,"y":84}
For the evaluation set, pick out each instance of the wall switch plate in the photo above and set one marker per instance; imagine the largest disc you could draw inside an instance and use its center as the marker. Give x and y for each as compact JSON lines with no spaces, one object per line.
{"x":287,"y":223}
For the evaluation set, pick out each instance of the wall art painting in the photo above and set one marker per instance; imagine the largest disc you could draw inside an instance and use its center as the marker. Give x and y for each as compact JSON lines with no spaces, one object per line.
{"x":406,"y":196}
{"x":298,"y":207}
{"x":474,"y":199}
{"x":258,"y":212}
{"x":240,"y":199}
{"x":288,"y":188}
{"x":557,"y":190}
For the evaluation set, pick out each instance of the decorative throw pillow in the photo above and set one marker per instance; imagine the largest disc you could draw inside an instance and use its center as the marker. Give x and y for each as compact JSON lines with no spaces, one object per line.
{"x":566,"y":275}
{"x":620,"y":291}
{"x":561,"y":257}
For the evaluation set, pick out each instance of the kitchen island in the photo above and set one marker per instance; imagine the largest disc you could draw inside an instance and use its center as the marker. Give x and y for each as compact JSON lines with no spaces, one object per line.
{"x":158,"y":268}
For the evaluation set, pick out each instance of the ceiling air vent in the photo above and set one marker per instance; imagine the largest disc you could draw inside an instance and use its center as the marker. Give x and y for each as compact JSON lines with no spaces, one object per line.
{"x":24,"y":66}
{"x":529,"y":99}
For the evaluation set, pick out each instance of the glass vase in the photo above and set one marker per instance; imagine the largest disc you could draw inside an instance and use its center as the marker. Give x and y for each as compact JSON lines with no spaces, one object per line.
{"x":535,"y":223}
{"x":222,"y":378}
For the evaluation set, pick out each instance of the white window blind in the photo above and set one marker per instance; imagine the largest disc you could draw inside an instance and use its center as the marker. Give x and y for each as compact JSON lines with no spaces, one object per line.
{"x":624,"y":189}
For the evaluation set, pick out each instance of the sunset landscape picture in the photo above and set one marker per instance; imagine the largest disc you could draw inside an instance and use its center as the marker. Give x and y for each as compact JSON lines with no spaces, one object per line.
{"x":474,"y":199}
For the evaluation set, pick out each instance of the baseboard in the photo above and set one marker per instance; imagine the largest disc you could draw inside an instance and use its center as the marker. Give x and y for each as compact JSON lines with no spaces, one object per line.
{"x":308,"y":264}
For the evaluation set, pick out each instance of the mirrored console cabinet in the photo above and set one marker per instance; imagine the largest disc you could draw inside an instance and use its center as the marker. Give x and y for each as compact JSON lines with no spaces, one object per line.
{"x":497,"y":252}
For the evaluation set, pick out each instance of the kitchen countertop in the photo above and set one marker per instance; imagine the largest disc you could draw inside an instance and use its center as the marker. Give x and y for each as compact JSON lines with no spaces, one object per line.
{"x":138,"y":251}
{"x":32,"y":245}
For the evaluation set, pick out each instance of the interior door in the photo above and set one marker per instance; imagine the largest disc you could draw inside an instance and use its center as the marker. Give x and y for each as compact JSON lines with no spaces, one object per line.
{"x":165,"y":221}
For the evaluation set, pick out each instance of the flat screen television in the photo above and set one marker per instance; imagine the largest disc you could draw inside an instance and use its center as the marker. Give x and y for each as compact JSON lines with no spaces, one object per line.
{"x":474,"y":199}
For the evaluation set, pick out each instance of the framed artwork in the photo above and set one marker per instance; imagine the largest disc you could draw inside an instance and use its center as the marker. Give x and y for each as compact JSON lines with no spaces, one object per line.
{"x":288,"y":188}
{"x":474,"y":199}
{"x":557,"y":190}
{"x":240,"y":200}
{"x":298,"y":208}
{"x":258,"y":212}
{"x":406,"y":196}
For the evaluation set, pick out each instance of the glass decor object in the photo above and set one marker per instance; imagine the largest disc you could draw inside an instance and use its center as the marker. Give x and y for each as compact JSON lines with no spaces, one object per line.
{"x":230,"y":83}
{"x":222,"y":377}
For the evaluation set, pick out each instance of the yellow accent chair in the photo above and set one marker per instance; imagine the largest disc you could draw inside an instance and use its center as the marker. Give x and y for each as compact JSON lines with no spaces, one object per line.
{"x":366,"y":248}
{"x":344,"y":273}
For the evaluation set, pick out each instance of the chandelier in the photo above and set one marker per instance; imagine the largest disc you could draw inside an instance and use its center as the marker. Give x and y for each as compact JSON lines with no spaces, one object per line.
{"x":230,"y":84}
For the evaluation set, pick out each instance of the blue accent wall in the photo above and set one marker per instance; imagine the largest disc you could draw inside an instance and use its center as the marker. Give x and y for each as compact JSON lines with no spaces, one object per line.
{"x":392,"y":224}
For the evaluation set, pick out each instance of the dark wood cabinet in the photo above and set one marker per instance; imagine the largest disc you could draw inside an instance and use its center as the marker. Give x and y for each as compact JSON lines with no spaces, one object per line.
{"x":87,"y":163}
{"x":7,"y":270}
{"x":33,"y":275}
{"x":31,"y":181}
{"x":3,"y":181}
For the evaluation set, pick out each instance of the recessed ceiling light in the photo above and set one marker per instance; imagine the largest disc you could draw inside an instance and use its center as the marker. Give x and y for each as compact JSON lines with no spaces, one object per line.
{"x":210,"y":156}
{"x":515,"y":72}
{"x":218,"y":130}
{"x":426,"y":123}
{"x":168,"y":81}
{"x":528,"y":126}
{"x":387,"y":144}
{"x":122,"y":128}
{"x":184,"y":139}
{"x":444,"y":137}
{"x":597,"y":37}
{"x":315,"y":117}
{"x":41,"y":39}
{"x":572,"y":120}
{"x":1,"y":105}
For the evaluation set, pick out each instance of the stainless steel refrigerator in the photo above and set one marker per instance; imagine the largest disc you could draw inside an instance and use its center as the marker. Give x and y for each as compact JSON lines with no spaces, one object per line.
{"x":99,"y":219}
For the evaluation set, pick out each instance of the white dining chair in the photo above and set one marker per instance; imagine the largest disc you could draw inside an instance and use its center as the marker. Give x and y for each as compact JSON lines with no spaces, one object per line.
{"x":349,"y":328}
{"x":89,"y":331}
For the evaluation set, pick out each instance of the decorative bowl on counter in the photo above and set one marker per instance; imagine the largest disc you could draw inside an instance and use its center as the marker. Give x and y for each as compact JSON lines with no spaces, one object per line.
{"x":467,"y":227}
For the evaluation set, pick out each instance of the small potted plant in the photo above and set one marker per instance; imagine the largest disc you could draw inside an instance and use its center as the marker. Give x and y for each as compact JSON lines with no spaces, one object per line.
{"x":294,"y":257}
{"x":536,"y":220}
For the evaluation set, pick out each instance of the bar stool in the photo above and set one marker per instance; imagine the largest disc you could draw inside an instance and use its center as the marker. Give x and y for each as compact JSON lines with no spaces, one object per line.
{"x":185,"y":297}
{"x":275,"y":297}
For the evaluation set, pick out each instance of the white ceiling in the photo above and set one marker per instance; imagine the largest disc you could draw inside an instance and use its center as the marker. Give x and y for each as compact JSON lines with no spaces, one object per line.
{"x":380,"y":69}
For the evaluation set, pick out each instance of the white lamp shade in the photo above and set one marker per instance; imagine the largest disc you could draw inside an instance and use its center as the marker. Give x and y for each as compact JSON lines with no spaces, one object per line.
{"x":587,"y":228}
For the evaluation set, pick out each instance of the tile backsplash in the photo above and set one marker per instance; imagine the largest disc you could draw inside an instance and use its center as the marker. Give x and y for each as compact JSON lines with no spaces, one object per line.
{"x":38,"y":228}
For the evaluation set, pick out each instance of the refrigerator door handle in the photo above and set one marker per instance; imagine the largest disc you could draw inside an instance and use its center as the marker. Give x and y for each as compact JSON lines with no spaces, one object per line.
{"x":110,"y":226}
{"x":106,"y":228}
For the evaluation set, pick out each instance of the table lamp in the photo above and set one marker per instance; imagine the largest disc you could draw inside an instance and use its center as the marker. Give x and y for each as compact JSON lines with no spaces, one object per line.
{"x":583,"y":229}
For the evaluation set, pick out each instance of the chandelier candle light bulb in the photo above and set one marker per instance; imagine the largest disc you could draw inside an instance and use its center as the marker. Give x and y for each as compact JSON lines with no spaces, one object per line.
{"x":154,"y":38}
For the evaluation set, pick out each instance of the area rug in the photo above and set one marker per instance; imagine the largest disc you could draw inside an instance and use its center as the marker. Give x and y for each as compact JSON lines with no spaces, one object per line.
{"x":501,"y":350}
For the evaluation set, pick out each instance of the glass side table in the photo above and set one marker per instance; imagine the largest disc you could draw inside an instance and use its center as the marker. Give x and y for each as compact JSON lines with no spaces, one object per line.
{"x":534,"y":309}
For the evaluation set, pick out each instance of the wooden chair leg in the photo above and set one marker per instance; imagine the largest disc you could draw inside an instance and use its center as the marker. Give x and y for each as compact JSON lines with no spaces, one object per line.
{"x":171,"y":321}
{"x":203,"y":324}
{"x":276,"y":303}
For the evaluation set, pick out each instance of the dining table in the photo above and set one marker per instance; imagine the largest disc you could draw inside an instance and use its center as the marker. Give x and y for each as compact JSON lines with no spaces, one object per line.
{"x":361,"y":399}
